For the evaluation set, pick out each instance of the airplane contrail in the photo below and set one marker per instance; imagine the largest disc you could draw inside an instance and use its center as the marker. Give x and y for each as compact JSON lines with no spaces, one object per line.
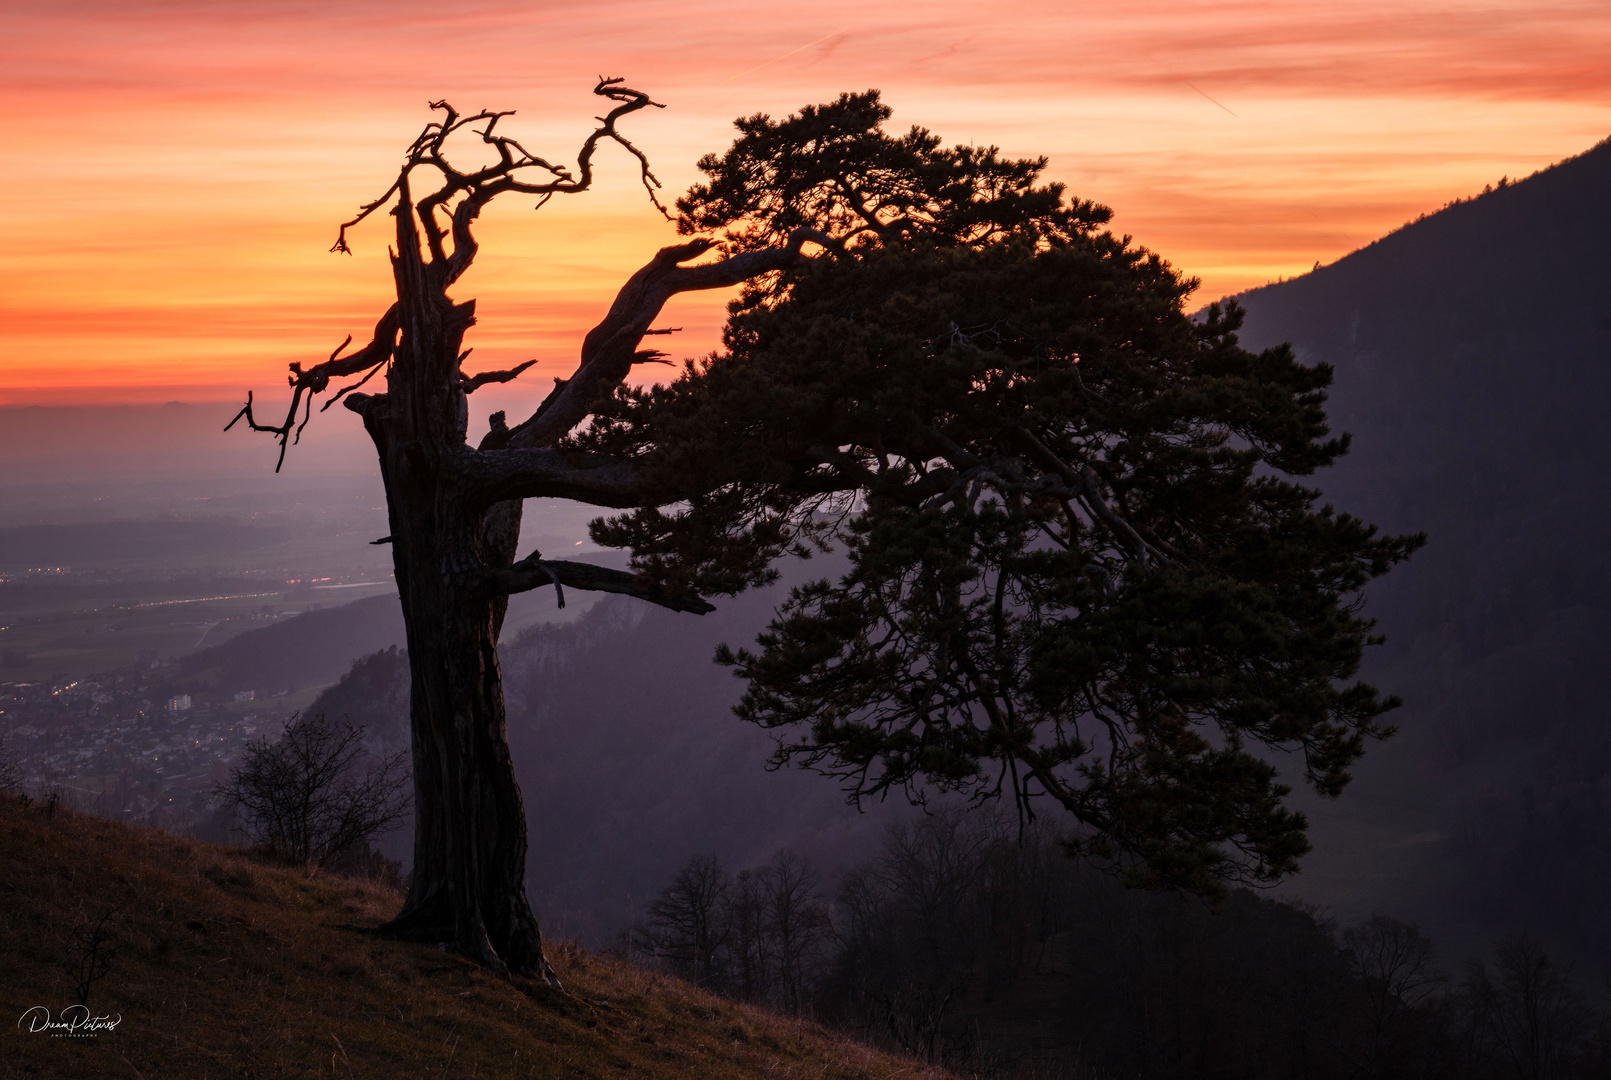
{"x":790,"y":53}
{"x":1188,"y":84}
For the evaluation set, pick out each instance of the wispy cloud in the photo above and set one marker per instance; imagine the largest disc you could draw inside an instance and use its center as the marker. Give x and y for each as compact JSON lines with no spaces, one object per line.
{"x":173,"y":169}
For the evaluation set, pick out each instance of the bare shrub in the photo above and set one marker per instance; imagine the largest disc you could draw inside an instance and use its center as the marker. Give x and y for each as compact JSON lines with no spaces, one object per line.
{"x":10,"y":775}
{"x":307,"y":796}
{"x":90,"y":950}
{"x":688,"y":923}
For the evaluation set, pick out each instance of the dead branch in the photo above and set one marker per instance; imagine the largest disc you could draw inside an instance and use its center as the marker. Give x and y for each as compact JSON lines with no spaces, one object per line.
{"x":317,"y":378}
{"x":471,"y":383}
{"x":474,"y":189}
{"x":345,"y":390}
{"x":461,"y":195}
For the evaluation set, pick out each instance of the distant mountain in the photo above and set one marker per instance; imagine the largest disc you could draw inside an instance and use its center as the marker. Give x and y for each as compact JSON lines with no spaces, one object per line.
{"x":1473,"y":368}
{"x":631,"y":761}
{"x":306,"y":650}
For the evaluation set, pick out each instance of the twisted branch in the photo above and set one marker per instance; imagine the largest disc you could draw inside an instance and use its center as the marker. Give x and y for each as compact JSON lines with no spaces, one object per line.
{"x":317,"y":378}
{"x":474,"y":189}
{"x":611,"y":348}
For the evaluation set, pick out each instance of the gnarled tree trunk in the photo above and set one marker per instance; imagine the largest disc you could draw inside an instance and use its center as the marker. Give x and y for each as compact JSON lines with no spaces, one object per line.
{"x":455,"y":513}
{"x":468,"y":888}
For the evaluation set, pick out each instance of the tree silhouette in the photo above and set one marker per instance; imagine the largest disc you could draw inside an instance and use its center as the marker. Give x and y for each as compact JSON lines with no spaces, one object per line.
{"x":455,"y":509}
{"x":307,"y":796}
{"x":1077,"y":565}
{"x":1082,"y":573}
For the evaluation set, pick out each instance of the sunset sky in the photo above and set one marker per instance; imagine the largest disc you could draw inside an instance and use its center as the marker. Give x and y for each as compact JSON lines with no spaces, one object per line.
{"x":173,"y":173}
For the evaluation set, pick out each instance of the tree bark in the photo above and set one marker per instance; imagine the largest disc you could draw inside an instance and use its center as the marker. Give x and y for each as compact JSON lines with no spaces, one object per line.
{"x":468,"y":890}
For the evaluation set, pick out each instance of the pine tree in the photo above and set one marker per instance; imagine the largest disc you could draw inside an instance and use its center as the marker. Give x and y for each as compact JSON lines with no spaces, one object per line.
{"x":1079,"y":569}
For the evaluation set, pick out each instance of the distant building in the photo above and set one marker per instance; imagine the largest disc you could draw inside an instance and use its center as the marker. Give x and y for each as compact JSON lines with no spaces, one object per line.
{"x":246,"y":695}
{"x":179,"y":703}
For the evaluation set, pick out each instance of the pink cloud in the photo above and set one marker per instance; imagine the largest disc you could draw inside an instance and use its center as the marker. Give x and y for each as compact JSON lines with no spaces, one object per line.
{"x":175,"y":169}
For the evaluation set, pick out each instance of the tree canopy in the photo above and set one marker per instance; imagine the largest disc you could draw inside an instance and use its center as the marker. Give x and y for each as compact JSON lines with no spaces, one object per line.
{"x":1082,"y":568}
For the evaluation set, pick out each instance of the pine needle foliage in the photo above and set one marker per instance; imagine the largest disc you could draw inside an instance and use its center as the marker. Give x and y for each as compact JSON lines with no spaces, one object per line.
{"x":1084,"y":570}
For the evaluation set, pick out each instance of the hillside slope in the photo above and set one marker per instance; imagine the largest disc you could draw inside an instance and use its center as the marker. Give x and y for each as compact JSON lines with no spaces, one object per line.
{"x":1473,"y":368}
{"x":227,"y":967}
{"x":310,"y":649}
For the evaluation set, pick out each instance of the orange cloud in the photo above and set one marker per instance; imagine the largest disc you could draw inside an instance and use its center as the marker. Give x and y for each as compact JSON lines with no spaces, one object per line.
{"x":173,"y":172}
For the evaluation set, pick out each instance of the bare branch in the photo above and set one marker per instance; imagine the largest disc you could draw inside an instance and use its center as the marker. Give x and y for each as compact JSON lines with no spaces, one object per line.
{"x":534,"y":572}
{"x":345,"y":390}
{"x":473,"y":190}
{"x":470,"y":384}
{"x":317,"y":378}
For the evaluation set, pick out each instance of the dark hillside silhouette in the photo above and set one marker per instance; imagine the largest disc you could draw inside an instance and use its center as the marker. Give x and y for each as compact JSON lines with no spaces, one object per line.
{"x":308,"y":650}
{"x":622,"y":735}
{"x":1473,"y":360}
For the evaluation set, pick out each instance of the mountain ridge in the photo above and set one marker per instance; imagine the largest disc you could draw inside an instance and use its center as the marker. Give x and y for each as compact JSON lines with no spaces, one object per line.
{"x":1472,"y":359}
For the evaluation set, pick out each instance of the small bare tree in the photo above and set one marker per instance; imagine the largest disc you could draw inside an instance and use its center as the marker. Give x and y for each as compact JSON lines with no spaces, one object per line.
{"x":90,"y":950}
{"x":1540,"y":1016}
{"x":797,"y":921}
{"x":751,"y":964}
{"x":306,"y":796}
{"x":1394,"y":963}
{"x":689,"y":921}
{"x":10,"y":775}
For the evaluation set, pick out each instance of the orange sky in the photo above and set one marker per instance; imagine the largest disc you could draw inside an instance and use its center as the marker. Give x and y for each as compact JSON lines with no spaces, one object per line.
{"x":173,"y":173}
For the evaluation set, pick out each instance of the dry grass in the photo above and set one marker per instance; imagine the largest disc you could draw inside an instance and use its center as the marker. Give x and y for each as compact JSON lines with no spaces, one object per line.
{"x":230,"y":968}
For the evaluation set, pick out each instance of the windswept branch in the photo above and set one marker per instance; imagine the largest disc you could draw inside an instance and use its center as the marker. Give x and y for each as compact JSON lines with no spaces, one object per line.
{"x":611,"y":348}
{"x":534,"y":572}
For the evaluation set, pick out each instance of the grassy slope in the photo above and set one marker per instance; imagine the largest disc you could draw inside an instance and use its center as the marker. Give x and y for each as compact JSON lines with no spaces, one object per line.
{"x":226,"y":967}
